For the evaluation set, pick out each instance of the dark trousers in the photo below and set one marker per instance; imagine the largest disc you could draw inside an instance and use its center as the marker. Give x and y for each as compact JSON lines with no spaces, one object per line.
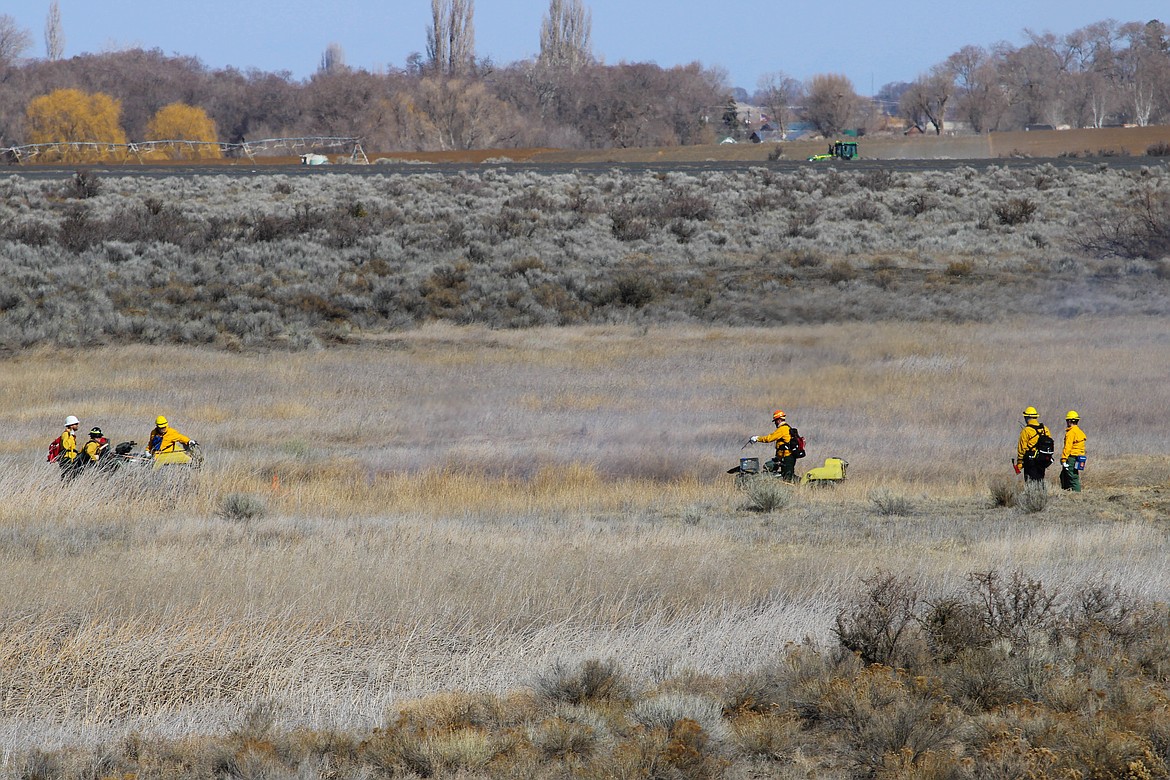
{"x":1034,"y":470}
{"x":786,"y":465}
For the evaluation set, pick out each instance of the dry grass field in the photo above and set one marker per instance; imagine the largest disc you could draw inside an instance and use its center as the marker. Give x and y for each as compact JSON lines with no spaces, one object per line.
{"x":465,"y":510}
{"x":1092,"y":142}
{"x":1038,"y":144}
{"x":464,"y":552}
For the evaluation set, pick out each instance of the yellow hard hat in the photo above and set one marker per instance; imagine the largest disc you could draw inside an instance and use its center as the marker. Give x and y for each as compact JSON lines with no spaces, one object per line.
{"x":1072,"y":415}
{"x":1031,"y":412}
{"x":160,"y":421}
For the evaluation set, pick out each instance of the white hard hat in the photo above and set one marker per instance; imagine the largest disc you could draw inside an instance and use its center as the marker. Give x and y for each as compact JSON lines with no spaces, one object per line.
{"x":71,"y":420}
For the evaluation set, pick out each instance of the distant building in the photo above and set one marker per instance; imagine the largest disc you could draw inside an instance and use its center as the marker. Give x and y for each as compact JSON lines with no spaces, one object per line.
{"x":769,"y":131}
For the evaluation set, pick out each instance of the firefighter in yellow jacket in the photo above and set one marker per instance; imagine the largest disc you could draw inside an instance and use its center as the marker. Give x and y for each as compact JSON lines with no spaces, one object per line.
{"x":164,"y":439}
{"x":67,"y":459}
{"x":96,"y":449}
{"x":1072,"y":457}
{"x":785,"y":461}
{"x":1030,"y":457}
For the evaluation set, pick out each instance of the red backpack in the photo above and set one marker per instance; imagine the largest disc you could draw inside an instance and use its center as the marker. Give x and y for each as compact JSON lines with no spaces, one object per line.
{"x":796,"y":443}
{"x":54,"y":450}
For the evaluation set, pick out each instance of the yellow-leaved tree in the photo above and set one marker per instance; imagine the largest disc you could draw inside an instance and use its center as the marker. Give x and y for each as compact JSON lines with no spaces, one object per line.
{"x":87,"y":127}
{"x":185,"y":124}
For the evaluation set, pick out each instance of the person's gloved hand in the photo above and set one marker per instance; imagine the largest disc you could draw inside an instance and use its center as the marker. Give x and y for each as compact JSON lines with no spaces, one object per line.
{"x":755,"y":439}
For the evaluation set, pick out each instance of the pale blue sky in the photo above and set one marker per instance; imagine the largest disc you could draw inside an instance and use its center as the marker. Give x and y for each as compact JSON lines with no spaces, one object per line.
{"x":871,"y":43}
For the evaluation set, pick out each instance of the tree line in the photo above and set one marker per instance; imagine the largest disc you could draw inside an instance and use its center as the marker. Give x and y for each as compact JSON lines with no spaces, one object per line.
{"x":1102,"y":74}
{"x":450,"y":98}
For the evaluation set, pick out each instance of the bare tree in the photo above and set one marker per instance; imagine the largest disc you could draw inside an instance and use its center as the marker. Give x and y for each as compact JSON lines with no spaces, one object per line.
{"x":911,"y":105}
{"x":463,"y":115}
{"x":437,"y":34}
{"x":927,"y":97}
{"x":832,"y":103}
{"x":13,"y":41}
{"x":54,"y":35}
{"x":565,"y":35}
{"x":778,"y":93}
{"x":461,"y":37}
{"x":333,"y":59}
{"x":1031,"y":79}
{"x":979,"y":93}
{"x":451,"y":37}
{"x":1145,"y":67}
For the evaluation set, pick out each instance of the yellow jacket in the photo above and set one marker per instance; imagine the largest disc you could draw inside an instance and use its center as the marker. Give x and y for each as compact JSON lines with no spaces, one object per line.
{"x":782,"y":436}
{"x":165,"y":440}
{"x":1074,"y":443}
{"x":68,"y":445}
{"x":94,"y":448}
{"x":1028,"y":438}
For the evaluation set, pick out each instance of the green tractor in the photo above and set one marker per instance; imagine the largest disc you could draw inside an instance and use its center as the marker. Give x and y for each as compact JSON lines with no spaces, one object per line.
{"x":839,"y":150}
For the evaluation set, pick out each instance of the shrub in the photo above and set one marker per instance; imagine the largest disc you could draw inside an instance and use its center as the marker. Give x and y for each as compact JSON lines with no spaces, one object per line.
{"x":687,"y":205}
{"x":885,"y":279}
{"x":84,"y":184}
{"x":629,"y":224}
{"x":800,"y":224}
{"x":1160,"y":149}
{"x":573,"y":733}
{"x":864,"y":211}
{"x":1033,"y":498}
{"x":760,"y":202}
{"x":888,"y":725}
{"x":628,"y":289}
{"x":840,"y":271}
{"x":467,"y":749}
{"x":593,"y":681}
{"x":804,"y":258}
{"x":667,"y":710}
{"x":1004,"y":491}
{"x":242,"y":506}
{"x":30,"y":233}
{"x":1015,"y":211}
{"x":888,"y":503}
{"x":1012,"y":608}
{"x":509,"y":223}
{"x":396,"y":752}
{"x":656,"y":754}
{"x":959,"y":268}
{"x":920,"y":203}
{"x":767,"y":493}
{"x":876,"y":179}
{"x":684,"y":230}
{"x":879,"y":622}
{"x":1135,"y":226}
{"x":774,"y":736}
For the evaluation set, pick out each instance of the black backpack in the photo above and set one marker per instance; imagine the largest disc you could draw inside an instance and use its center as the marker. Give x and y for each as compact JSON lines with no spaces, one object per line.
{"x":795,"y":443}
{"x":1045,"y":447}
